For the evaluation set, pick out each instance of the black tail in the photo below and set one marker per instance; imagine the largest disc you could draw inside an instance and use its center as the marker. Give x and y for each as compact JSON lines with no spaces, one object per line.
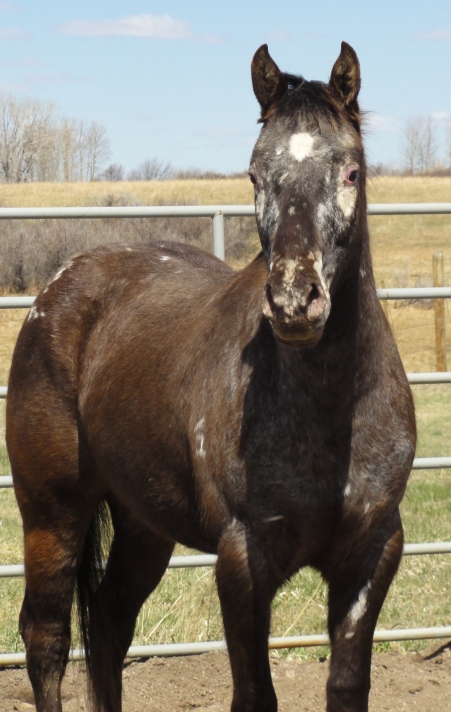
{"x":95,"y":617}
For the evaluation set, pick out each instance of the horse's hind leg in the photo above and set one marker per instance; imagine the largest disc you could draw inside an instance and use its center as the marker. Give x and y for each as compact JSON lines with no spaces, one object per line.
{"x":137,"y":561}
{"x":56,"y":509}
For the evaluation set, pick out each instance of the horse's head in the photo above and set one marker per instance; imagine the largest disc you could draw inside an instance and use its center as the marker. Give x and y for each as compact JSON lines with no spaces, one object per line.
{"x":307,"y":168}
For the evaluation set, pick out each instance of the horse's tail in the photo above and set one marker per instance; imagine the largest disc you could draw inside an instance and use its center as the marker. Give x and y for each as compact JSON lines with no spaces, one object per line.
{"x":94,"y":615}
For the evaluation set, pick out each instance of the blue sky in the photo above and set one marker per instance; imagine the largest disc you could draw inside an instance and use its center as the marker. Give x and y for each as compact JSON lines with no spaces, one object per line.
{"x":171,"y":79}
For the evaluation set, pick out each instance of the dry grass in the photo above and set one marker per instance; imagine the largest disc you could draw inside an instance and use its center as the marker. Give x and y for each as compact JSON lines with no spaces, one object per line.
{"x":385,"y":189}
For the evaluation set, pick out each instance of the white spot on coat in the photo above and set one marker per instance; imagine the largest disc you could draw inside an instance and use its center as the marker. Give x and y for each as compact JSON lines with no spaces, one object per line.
{"x":164,"y":258}
{"x":359,"y":607}
{"x":301,"y":145}
{"x":34,"y":313}
{"x":347,"y":490}
{"x":200,"y":437}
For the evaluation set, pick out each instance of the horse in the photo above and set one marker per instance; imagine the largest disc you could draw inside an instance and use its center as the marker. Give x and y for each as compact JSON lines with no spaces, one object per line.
{"x":262,"y":415}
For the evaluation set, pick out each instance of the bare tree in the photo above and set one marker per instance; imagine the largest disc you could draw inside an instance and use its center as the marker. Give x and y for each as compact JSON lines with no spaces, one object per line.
{"x":36,"y":144}
{"x":98,"y":149}
{"x":25,"y":134}
{"x":420,"y":145}
{"x":113,"y":172}
{"x":150,"y":169}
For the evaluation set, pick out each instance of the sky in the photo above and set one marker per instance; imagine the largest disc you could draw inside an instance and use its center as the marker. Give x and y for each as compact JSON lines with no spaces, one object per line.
{"x":171,"y":79}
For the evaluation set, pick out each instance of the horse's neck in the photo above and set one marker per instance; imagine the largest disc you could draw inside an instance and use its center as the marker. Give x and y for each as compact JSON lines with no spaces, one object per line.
{"x":352,"y":335}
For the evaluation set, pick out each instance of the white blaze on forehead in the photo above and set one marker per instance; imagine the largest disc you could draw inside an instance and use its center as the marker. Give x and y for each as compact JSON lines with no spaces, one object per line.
{"x":301,"y":145}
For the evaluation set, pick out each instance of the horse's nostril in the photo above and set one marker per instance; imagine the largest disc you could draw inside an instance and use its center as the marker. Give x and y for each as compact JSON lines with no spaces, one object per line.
{"x":313,"y":294}
{"x":316,"y":302}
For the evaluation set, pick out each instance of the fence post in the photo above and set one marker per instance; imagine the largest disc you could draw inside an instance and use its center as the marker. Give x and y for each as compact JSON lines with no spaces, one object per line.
{"x":439,"y":305}
{"x":218,"y":235}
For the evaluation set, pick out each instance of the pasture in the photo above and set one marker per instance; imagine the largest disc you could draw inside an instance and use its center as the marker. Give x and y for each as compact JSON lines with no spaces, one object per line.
{"x":185,"y":606}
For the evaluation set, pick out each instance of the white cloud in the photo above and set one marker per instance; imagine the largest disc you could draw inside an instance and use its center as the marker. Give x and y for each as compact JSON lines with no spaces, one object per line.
{"x":441,"y":117}
{"x":12,"y":33}
{"x":161,"y":27}
{"x":441,"y":35}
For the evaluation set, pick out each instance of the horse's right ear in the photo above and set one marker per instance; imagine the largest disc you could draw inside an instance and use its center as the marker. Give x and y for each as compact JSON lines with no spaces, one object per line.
{"x":267,"y":80}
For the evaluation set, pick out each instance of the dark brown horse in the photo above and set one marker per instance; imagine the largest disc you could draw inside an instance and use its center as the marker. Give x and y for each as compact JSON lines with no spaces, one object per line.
{"x":262,"y":415}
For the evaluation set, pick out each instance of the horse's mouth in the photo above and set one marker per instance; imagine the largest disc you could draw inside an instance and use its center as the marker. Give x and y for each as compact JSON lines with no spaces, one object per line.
{"x":296,"y":336}
{"x":295,"y":329}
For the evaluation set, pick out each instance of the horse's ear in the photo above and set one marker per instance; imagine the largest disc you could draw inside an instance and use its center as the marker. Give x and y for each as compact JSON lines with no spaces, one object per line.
{"x":345,"y":79}
{"x":267,"y":80}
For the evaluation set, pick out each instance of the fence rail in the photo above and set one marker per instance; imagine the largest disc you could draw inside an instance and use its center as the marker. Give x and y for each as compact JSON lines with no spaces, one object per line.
{"x":217,"y":214}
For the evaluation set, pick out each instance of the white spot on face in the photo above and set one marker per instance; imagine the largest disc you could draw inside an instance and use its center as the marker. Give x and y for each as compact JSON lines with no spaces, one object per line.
{"x":301,"y":145}
{"x":346,"y":199}
{"x":260,"y":205}
{"x":164,"y":258}
{"x":359,"y":607}
{"x":200,"y":437}
{"x":318,"y":267}
{"x":290,"y":268}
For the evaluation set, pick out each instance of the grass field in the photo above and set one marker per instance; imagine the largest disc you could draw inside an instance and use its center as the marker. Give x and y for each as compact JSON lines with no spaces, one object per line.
{"x":185,"y":605}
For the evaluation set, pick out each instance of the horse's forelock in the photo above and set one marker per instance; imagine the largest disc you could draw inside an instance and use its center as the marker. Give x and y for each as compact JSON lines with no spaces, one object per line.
{"x":314,"y":99}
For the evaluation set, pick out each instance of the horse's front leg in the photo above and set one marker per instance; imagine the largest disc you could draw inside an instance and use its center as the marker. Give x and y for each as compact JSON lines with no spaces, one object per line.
{"x":356,"y":594}
{"x":244,"y":592}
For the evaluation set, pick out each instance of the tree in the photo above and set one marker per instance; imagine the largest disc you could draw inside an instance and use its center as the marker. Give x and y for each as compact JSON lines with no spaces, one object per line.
{"x":98,"y":149}
{"x":114,"y":172}
{"x":26,"y":129}
{"x":150,"y":169}
{"x":37,"y":144}
{"x":420,"y":145}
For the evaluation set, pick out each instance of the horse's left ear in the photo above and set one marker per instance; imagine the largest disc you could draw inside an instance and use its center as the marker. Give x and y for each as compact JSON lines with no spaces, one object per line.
{"x":345,"y":79}
{"x":267,"y":80}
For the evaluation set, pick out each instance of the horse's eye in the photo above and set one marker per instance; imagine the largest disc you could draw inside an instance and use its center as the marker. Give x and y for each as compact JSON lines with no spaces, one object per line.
{"x":351,"y":176}
{"x":253,"y":178}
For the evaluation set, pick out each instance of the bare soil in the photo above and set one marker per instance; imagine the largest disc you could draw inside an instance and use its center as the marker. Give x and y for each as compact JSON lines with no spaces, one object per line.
{"x":399,"y":682}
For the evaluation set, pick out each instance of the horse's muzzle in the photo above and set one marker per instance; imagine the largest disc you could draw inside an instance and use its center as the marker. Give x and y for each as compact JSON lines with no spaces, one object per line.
{"x":297,"y":308}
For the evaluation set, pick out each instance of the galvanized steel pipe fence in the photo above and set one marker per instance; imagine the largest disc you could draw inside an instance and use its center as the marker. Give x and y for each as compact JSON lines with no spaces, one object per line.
{"x":217,"y":213}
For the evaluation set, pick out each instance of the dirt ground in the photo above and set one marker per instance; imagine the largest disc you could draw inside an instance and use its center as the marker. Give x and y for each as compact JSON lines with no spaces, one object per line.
{"x":399,"y":682}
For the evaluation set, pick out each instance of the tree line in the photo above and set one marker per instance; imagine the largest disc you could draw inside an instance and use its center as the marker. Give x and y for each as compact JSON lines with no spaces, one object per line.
{"x":37,"y":144}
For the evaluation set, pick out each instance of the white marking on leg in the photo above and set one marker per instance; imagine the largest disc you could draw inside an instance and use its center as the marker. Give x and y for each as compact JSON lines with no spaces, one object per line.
{"x":301,"y":145}
{"x":200,"y":437}
{"x":359,"y":607}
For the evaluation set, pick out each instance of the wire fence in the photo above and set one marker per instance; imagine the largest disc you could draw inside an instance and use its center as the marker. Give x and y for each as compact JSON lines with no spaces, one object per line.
{"x":217,"y":213}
